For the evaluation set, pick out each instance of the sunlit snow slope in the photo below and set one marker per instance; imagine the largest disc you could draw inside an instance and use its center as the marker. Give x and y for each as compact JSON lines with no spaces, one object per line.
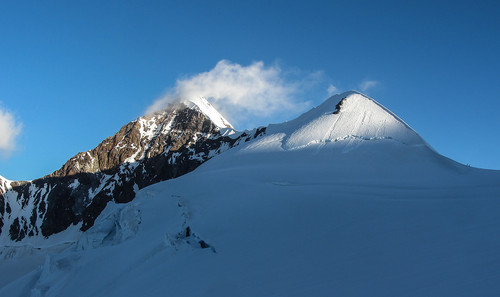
{"x":342,"y":201}
{"x":4,"y":184}
{"x":206,"y":108}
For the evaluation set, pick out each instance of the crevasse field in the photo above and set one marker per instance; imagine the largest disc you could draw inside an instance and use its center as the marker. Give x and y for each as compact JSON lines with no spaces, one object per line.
{"x":353,"y":203}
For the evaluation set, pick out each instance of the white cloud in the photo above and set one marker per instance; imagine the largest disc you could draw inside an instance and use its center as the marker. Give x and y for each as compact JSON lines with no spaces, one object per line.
{"x":332,"y":90}
{"x":9,"y":130}
{"x":239,"y":92}
{"x":367,"y":84}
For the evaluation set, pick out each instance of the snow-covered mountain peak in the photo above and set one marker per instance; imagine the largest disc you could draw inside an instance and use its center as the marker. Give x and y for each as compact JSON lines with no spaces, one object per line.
{"x":208,"y":110}
{"x":351,"y":117}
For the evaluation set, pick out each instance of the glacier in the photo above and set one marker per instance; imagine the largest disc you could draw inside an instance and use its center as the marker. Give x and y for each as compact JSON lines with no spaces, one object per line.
{"x":345,"y":200}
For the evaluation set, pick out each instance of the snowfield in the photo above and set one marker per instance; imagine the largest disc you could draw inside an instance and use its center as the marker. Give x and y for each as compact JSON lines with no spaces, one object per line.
{"x":334,"y":203}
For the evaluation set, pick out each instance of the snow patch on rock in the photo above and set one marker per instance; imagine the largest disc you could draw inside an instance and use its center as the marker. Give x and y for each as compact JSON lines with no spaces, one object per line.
{"x":4,"y":185}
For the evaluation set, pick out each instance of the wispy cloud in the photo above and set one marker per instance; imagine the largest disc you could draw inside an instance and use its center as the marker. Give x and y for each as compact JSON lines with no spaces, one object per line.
{"x":332,"y":90}
{"x":9,"y":130}
{"x":240,"y":92}
{"x":367,"y":84}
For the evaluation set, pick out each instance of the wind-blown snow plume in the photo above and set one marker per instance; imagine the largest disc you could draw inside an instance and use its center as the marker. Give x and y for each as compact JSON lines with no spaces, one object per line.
{"x":332,"y":90}
{"x":253,"y":91}
{"x":367,"y":84}
{"x":9,"y":130}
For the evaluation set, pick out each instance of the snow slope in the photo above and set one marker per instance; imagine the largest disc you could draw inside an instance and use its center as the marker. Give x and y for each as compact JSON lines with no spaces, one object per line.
{"x":358,"y":118}
{"x":361,"y":210}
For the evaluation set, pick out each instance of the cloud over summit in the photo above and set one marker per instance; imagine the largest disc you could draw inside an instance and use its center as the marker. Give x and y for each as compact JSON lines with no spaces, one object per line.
{"x":237,"y":91}
{"x":367,"y":85}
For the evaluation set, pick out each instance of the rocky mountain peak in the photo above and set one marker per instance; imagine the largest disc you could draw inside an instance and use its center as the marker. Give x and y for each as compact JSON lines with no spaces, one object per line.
{"x":151,"y":149}
{"x":179,"y":125}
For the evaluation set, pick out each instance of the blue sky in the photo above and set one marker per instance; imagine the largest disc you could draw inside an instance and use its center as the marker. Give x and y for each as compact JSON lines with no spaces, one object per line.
{"x":71,"y":74}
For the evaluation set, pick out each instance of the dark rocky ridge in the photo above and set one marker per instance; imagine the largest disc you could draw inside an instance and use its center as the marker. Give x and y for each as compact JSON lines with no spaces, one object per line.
{"x":146,"y":151}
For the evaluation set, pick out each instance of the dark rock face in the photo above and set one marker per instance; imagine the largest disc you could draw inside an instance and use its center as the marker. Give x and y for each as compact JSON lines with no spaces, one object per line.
{"x":338,"y":106}
{"x":146,"y":151}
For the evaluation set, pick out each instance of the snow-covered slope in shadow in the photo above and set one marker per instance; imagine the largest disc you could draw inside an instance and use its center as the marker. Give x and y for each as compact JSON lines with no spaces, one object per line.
{"x":293,"y":213}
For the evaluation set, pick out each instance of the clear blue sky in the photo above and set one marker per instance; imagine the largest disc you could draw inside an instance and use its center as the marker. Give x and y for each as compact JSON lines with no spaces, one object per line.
{"x":74,"y":73}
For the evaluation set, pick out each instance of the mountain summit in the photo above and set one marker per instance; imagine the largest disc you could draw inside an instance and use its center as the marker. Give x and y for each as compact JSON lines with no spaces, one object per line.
{"x":350,"y":116}
{"x":209,"y":111}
